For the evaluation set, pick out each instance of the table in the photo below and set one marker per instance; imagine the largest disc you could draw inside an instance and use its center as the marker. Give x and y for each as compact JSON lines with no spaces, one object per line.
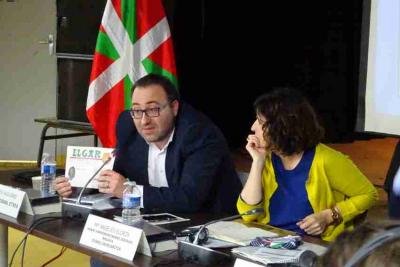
{"x":67,"y":233}
{"x":83,"y":128}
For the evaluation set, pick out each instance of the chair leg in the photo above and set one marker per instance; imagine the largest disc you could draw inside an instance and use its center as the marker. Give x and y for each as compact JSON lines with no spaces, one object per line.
{"x":41,"y":145}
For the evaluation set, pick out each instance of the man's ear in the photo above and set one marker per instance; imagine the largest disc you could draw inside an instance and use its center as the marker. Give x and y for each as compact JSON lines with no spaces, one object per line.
{"x":175,"y":107}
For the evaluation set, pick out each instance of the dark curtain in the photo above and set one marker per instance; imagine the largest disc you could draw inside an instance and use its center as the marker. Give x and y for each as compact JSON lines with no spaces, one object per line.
{"x":229,"y":53}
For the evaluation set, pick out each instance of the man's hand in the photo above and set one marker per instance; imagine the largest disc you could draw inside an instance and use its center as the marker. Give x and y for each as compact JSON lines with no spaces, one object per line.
{"x":111,"y":182}
{"x":316,"y":223}
{"x":62,"y":186}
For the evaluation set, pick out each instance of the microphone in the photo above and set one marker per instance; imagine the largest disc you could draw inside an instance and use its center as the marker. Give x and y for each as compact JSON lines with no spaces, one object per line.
{"x":77,"y":210}
{"x":195,"y":253}
{"x":250,"y":212}
{"x":78,"y":201}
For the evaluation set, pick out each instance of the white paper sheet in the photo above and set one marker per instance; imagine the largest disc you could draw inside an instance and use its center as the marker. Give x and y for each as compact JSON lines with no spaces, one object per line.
{"x":83,"y":162}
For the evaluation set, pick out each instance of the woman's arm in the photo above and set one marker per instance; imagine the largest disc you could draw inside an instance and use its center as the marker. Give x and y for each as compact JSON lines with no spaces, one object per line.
{"x":346,"y":178}
{"x":252,"y":192}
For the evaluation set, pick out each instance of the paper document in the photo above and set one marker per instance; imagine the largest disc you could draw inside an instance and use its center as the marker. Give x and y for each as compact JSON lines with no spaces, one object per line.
{"x":83,"y":162}
{"x":217,"y":243}
{"x":162,"y":246}
{"x":236,"y":232}
{"x":271,"y":255}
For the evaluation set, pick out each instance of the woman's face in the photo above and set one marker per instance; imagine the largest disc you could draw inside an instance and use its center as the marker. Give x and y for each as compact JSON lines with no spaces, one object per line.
{"x":257,"y":128}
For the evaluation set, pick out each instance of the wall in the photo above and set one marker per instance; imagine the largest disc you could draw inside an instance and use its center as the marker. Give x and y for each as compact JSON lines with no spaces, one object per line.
{"x":28,"y":75}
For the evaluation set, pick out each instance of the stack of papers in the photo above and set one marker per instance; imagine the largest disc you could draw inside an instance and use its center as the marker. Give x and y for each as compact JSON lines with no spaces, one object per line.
{"x":300,"y":256}
{"x":236,"y":232}
{"x":274,"y":256}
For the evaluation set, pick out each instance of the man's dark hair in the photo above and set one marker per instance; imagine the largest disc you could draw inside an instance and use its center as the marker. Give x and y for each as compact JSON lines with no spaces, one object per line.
{"x":291,"y":124}
{"x":165,"y":83}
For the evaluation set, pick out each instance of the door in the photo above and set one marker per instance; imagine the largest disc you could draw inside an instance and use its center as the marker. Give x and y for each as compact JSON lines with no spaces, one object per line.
{"x":27,"y":76}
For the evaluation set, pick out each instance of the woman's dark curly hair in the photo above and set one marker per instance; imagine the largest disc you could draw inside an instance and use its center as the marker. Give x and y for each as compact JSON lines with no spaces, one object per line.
{"x":291,"y":124}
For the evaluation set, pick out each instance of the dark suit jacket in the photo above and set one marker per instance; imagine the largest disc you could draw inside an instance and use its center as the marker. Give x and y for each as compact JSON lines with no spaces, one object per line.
{"x":199,"y":169}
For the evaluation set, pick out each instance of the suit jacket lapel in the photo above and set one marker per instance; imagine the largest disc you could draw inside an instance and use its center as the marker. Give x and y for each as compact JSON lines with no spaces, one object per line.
{"x":170,"y":164}
{"x":140,"y":155}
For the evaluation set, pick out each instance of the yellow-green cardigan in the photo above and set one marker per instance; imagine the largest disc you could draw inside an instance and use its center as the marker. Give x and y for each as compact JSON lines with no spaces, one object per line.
{"x":333,"y":180}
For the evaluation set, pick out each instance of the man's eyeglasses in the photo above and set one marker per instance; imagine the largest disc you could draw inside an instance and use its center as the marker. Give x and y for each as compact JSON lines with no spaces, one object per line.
{"x":150,"y":112}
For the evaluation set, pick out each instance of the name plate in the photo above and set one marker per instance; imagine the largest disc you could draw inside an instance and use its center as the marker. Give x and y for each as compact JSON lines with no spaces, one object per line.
{"x":112,"y":237}
{"x":10,"y":200}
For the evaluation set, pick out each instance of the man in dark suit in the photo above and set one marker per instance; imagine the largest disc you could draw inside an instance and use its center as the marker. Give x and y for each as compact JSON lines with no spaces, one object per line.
{"x":176,"y":155}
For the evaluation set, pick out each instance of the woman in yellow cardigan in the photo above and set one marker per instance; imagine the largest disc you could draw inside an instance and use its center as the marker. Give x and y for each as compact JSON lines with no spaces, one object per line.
{"x":303,"y":185}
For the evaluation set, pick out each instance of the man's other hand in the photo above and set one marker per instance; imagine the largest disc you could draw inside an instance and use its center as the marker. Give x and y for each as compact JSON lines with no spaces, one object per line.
{"x":62,"y":186}
{"x":111,"y":182}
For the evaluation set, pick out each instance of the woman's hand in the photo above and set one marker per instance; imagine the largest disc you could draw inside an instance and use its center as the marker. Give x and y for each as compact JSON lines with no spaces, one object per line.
{"x":255,"y":149}
{"x":316,"y":223}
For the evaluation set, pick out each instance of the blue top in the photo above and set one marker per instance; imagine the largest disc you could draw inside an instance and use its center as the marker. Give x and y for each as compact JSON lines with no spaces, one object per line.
{"x":289,"y":204}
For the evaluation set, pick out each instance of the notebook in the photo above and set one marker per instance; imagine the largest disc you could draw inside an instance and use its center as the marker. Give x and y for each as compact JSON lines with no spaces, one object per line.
{"x":37,"y":197}
{"x":40,"y":203}
{"x":236,"y":232}
{"x":25,"y":176}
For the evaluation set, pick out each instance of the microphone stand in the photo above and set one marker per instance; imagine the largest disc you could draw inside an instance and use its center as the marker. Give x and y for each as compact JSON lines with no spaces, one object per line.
{"x":77,"y":210}
{"x":78,"y":201}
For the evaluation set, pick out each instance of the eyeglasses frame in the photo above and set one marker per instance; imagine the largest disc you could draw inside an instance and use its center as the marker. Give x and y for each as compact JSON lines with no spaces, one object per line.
{"x":147,"y":110}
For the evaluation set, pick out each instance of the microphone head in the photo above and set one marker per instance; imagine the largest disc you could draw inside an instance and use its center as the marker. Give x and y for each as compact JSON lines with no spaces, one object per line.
{"x":106,"y":157}
{"x":109,"y":156}
{"x":254,"y":211}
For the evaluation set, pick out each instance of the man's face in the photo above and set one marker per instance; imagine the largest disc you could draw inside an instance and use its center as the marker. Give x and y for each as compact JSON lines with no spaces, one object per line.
{"x":154,"y":129}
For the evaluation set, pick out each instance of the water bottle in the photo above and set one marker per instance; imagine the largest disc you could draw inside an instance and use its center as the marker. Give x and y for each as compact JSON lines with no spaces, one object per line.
{"x":48,"y":172}
{"x":130,"y":203}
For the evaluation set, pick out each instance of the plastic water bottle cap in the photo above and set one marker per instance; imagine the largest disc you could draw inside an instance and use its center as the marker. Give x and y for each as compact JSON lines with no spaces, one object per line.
{"x":132,"y":183}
